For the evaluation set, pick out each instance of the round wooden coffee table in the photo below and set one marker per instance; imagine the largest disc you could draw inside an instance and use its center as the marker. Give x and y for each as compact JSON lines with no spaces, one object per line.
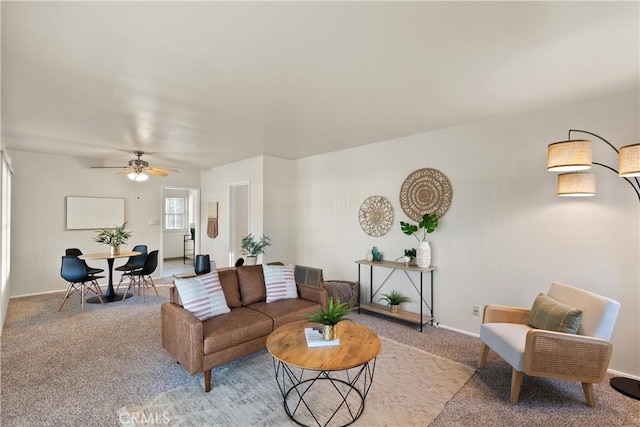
{"x":324,"y":386}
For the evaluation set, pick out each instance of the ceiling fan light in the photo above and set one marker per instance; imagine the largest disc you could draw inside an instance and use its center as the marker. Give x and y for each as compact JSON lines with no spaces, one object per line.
{"x":629,"y":160}
{"x":138,"y":176}
{"x":569,"y":156}
{"x":581,"y":184}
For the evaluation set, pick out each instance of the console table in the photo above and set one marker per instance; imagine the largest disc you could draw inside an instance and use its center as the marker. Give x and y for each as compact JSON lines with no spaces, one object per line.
{"x":407,"y":316}
{"x":188,"y":248}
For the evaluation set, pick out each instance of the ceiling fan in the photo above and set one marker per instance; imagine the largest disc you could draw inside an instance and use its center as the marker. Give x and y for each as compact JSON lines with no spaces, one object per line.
{"x":138,"y":169}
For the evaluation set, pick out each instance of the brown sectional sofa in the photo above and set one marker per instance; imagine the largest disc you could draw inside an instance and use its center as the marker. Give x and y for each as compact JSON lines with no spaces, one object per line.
{"x":200,"y":346}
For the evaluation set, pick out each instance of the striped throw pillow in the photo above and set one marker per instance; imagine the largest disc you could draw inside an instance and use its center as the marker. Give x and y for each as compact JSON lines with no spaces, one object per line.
{"x":280,"y":282}
{"x":202,"y":296}
{"x":551,"y":315}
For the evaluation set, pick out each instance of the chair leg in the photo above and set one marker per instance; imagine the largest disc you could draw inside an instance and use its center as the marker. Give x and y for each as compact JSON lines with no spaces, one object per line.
{"x":98,"y":291}
{"x":120,"y":282}
{"x":66,"y":295}
{"x":484,"y":352}
{"x":124,"y":296}
{"x":148,"y":282}
{"x":153,"y":285}
{"x":516,"y":383}
{"x":589,"y":394}
{"x":83,"y":290}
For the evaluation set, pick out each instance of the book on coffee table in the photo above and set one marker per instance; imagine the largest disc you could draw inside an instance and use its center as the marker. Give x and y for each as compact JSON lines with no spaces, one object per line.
{"x":314,"y":338}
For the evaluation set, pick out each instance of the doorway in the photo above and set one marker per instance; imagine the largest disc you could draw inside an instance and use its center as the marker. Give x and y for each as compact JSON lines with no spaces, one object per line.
{"x":178,"y":218}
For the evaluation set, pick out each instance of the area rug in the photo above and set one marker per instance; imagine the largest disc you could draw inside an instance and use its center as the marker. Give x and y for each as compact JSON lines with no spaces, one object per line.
{"x":410,"y":388}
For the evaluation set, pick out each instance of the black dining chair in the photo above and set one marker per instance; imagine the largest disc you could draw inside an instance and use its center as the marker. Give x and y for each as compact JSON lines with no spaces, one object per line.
{"x":74,"y":272}
{"x":133,"y":263}
{"x":142,"y":278}
{"x":76,"y":253}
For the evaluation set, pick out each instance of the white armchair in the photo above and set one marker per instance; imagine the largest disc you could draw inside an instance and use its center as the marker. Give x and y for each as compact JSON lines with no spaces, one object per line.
{"x":583,"y":357}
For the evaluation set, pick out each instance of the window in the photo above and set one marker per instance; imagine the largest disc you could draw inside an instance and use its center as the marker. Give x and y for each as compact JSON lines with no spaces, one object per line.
{"x":174,"y":213}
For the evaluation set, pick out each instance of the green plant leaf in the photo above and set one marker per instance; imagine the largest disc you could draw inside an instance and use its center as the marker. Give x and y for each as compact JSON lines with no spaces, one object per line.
{"x":407,"y":228}
{"x":394,"y":298}
{"x":335,"y":313}
{"x":429,"y":222}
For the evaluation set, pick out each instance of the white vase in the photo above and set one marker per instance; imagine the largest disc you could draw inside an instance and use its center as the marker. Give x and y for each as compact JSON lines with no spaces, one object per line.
{"x":369,"y":256}
{"x":251,"y":260}
{"x":423,"y":255}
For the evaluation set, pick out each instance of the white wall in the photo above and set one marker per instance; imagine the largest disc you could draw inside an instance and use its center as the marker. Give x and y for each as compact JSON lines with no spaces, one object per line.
{"x":279,"y":188}
{"x":507,"y":236}
{"x":39,"y":237}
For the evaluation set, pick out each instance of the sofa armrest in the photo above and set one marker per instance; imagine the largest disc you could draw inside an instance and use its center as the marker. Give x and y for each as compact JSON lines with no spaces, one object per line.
{"x":313,"y":293}
{"x":504,"y":314}
{"x":182,"y":336}
{"x":566,"y":356}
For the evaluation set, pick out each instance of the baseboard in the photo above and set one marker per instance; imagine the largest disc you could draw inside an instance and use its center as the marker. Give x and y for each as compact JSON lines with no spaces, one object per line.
{"x":622,"y":374}
{"x":102,"y":285}
{"x":462,"y":331}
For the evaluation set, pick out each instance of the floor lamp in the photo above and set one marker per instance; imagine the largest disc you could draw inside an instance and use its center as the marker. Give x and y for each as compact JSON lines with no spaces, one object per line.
{"x":572,"y":157}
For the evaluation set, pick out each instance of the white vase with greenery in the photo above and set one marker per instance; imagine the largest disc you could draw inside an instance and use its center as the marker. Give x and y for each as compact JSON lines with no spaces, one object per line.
{"x":114,"y":237}
{"x":428,"y":224}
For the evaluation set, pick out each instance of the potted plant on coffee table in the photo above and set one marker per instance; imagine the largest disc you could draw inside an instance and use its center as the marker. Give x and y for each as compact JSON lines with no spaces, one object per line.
{"x":251,"y":247}
{"x":428,"y":224}
{"x":114,"y":237}
{"x":335,"y":313}
{"x":394,"y":299}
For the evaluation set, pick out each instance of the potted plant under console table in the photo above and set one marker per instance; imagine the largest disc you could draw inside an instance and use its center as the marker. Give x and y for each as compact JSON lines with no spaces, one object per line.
{"x":407,"y":316}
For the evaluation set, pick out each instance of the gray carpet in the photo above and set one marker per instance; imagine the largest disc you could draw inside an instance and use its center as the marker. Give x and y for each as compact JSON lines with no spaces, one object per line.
{"x":73,"y":369}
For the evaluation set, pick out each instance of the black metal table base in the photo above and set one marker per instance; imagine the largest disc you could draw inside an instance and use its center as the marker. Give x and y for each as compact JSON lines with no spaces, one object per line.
{"x":343,"y":397}
{"x":111,"y":298}
{"x":627,"y":386}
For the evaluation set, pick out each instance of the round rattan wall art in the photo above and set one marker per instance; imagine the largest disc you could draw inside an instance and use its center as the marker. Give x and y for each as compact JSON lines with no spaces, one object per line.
{"x":376,"y":216}
{"x":425,"y":191}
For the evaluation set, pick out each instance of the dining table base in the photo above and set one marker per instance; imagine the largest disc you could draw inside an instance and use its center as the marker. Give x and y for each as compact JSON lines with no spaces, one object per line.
{"x":110,"y":298}
{"x":110,"y":295}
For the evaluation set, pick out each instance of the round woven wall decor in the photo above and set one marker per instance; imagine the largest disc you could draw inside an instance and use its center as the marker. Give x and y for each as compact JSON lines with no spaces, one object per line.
{"x":376,"y":216}
{"x":425,"y":191}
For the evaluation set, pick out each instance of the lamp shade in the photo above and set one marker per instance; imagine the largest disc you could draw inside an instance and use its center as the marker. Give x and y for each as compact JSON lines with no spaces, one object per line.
{"x":629,"y":160}
{"x":576,"y":184}
{"x":569,"y":156}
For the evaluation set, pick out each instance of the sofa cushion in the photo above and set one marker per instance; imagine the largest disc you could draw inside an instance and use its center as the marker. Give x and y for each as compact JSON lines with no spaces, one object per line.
{"x":279,"y":282}
{"x":202,"y":295}
{"x":286,"y":310}
{"x":251,"y":282}
{"x":551,"y":315}
{"x":237,"y":327}
{"x":229,"y":282}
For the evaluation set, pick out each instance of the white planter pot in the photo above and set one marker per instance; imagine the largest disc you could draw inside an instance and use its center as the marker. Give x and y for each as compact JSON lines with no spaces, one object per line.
{"x":251,"y":260}
{"x":423,"y":255}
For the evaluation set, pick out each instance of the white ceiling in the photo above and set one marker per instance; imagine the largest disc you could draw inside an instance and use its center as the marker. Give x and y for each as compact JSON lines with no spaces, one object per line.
{"x":200,"y":84}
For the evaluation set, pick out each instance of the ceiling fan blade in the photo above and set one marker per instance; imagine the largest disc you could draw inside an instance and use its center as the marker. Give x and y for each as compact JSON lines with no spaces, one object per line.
{"x":164,"y":170}
{"x":109,"y":167}
{"x":125,"y":171}
{"x":155,"y":172}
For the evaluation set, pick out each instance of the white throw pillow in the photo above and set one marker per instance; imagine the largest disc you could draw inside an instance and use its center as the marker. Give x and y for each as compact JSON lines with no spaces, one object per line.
{"x":280,"y":282}
{"x":202,"y":295}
